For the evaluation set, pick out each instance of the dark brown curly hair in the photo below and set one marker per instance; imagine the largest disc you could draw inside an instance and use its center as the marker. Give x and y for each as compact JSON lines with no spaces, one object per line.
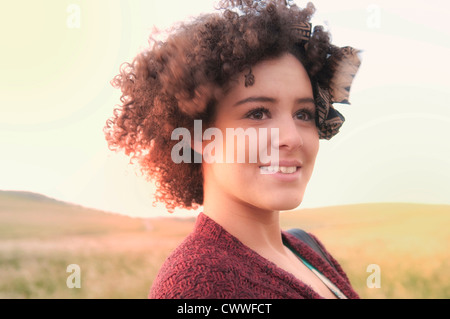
{"x":173,"y":82}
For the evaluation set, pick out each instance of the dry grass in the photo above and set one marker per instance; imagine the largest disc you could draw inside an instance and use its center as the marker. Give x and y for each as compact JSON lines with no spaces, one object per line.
{"x":408,"y":241}
{"x":119,"y":256}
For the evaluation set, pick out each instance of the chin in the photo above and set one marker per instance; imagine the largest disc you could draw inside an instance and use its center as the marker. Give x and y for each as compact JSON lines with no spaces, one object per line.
{"x":285,"y":203}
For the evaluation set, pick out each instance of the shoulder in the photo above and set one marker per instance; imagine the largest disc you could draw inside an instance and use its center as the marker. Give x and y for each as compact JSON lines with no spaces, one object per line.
{"x":330,"y":257}
{"x":196,"y":269}
{"x":321,"y":261}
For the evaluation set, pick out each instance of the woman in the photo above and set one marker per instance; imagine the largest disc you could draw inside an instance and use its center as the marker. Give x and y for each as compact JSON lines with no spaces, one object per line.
{"x":256,"y":65}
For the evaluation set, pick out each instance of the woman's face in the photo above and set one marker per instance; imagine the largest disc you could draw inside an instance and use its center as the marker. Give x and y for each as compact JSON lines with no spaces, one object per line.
{"x":281,"y":98}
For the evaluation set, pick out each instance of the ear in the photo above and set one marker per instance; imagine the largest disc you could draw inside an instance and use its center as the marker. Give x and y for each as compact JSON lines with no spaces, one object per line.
{"x":197,"y":143}
{"x":202,"y":146}
{"x":197,"y":150}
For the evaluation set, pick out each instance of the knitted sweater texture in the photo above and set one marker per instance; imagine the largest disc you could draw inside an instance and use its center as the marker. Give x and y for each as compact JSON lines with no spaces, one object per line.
{"x":211,"y":263}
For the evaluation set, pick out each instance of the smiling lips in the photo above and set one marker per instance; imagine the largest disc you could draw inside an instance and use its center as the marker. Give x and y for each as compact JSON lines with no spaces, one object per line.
{"x":278,"y":169}
{"x":283,"y":167}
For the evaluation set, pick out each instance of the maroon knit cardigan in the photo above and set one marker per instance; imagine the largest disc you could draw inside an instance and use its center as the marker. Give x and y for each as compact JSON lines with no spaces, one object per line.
{"x":211,"y":263}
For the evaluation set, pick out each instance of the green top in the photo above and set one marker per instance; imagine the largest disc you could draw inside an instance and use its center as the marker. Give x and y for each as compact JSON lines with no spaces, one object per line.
{"x":335,"y":290}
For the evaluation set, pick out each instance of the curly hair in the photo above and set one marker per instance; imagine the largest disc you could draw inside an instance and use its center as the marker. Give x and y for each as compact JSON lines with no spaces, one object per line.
{"x":171,"y":83}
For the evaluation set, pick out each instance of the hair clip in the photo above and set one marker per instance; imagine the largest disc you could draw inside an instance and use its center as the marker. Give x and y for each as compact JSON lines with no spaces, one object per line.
{"x":249,"y":78}
{"x":329,"y":120}
{"x":302,"y":30}
{"x":346,"y":67}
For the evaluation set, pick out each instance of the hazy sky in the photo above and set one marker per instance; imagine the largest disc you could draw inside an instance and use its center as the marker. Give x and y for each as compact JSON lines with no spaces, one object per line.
{"x":55,"y":98}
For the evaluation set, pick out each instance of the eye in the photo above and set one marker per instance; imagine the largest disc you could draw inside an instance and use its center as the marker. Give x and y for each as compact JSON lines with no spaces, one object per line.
{"x":258,"y":114}
{"x":304,"y":115}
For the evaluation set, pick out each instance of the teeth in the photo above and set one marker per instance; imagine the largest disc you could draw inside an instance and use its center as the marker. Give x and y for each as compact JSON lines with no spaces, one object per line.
{"x":288,"y":169}
{"x":276,"y":169}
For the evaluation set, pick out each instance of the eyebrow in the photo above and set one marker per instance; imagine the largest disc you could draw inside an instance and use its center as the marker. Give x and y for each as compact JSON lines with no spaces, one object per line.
{"x":304,"y":100}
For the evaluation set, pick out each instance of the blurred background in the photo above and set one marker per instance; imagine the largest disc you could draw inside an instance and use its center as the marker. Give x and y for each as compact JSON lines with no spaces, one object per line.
{"x":379,"y":193}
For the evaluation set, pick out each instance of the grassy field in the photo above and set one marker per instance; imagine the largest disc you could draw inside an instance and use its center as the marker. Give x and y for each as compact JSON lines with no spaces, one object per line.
{"x":119,"y":256}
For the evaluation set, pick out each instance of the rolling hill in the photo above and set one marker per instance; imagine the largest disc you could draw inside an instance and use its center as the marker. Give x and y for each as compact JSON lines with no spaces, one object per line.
{"x":120,"y":255}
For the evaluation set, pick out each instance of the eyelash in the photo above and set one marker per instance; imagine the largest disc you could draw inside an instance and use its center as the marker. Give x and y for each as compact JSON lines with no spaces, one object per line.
{"x":310,"y":116}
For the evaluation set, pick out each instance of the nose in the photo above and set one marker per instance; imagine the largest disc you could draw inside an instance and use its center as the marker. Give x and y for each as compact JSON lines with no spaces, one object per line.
{"x":290,"y":135}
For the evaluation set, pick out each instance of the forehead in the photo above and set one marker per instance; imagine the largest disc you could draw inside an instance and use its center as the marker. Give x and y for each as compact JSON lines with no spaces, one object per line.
{"x":284,"y":76}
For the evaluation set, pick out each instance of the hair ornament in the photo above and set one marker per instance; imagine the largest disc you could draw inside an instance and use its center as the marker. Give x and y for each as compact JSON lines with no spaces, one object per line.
{"x":302,"y":30}
{"x":345,"y":63}
{"x":249,"y":78}
{"x":346,"y":67}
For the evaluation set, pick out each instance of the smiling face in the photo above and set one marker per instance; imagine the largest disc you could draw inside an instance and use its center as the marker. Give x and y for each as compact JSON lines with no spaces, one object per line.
{"x":281,"y":98}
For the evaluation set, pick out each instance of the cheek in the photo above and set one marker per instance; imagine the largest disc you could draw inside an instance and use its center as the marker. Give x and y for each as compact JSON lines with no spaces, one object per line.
{"x":311,"y":145}
{"x":241,"y":145}
{"x":315,"y":142}
{"x":231,"y":180}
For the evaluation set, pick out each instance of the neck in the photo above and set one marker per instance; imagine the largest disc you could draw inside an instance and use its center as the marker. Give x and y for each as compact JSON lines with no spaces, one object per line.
{"x":256,"y":228}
